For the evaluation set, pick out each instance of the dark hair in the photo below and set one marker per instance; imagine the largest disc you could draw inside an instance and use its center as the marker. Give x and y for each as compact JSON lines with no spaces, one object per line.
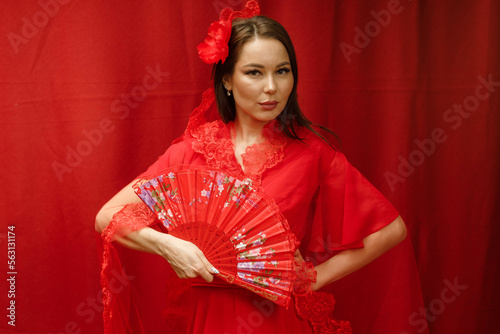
{"x":243,"y":31}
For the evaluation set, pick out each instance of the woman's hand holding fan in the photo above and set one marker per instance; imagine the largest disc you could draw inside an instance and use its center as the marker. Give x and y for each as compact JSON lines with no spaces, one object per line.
{"x":238,"y":229}
{"x":187,"y":260}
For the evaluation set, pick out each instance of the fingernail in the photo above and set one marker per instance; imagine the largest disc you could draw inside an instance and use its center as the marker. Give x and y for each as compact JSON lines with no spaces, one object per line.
{"x":214,"y":270}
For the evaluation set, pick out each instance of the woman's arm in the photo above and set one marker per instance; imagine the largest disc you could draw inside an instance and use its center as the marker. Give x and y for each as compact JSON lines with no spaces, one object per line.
{"x":186,"y":258}
{"x":349,"y":261}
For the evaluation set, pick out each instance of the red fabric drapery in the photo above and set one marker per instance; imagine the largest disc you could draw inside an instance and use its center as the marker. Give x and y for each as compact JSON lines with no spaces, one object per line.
{"x":92,"y":92}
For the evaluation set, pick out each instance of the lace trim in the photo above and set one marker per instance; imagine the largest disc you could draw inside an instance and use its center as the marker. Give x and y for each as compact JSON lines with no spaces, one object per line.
{"x":130,"y":218}
{"x":205,"y":112}
{"x":217,"y":148}
{"x":177,"y":308}
{"x":213,"y":140}
{"x":305,"y":276}
{"x":316,"y":307}
{"x":268,"y":154}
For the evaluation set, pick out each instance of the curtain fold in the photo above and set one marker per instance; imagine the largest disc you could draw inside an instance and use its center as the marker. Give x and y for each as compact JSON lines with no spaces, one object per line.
{"x":93,"y":92}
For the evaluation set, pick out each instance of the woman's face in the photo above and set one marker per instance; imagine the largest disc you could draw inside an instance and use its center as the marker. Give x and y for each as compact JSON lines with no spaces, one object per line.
{"x":261,"y":82}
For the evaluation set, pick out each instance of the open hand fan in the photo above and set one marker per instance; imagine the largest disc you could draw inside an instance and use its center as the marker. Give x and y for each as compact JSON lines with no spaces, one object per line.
{"x":239,"y":229}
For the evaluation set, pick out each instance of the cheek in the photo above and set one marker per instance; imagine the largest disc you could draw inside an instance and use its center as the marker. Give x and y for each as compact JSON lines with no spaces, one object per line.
{"x":287,"y":87}
{"x":248,"y":89}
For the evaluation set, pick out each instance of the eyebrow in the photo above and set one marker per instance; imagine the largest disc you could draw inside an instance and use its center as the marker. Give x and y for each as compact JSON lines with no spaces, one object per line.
{"x":262,"y":66}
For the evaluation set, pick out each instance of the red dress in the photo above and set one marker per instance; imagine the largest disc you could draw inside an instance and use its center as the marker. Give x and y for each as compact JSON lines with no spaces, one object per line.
{"x":329,"y":206}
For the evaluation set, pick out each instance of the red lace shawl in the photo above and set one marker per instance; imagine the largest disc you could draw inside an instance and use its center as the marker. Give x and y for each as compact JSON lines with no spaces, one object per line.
{"x":214,"y":141}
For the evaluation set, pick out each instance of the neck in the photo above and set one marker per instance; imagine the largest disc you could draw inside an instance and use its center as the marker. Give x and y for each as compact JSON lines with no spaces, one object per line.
{"x":248,"y":132}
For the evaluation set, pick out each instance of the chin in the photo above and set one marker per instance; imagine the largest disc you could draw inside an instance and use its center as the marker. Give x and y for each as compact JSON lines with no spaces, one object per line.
{"x":262,"y":115}
{"x":267,"y":119}
{"x":268,"y":115}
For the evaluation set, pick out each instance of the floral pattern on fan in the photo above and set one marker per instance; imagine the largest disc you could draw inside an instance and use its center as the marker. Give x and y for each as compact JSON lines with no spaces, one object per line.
{"x":238,"y":227}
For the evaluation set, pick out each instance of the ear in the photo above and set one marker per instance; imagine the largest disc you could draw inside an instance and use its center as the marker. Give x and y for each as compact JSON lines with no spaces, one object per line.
{"x":226,"y":81}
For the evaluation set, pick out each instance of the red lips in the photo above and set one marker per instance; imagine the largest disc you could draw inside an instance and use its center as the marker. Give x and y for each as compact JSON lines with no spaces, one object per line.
{"x":268,"y":105}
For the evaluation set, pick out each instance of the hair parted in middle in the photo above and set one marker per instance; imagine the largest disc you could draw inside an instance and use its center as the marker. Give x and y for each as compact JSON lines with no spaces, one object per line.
{"x":243,"y":31}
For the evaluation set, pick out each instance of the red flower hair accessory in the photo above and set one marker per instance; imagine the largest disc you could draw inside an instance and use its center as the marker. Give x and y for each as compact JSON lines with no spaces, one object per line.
{"x":215,"y":47}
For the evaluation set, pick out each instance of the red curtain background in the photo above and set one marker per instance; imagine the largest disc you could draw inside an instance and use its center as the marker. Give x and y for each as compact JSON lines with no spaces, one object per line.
{"x":92,"y":92}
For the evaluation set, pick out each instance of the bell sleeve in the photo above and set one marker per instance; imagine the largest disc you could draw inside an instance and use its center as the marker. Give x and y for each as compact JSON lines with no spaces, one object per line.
{"x":348,"y":208}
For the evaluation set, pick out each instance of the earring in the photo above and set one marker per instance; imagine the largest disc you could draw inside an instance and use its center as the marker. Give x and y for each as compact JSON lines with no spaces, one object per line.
{"x":228,"y":93}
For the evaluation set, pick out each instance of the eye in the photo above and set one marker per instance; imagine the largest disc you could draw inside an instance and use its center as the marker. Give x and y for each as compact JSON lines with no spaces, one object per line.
{"x":283,"y":71}
{"x":253,"y":73}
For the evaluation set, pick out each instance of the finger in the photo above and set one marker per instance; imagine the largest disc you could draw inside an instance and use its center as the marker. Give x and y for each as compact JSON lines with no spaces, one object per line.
{"x":298,"y":256}
{"x":213,"y":270}
{"x":207,"y":276}
{"x":209,"y":272}
{"x":179,"y":273}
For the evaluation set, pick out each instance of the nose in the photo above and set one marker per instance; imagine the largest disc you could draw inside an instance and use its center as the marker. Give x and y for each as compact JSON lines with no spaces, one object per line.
{"x":270,"y":85}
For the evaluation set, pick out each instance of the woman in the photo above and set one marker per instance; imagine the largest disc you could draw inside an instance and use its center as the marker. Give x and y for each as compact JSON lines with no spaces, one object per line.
{"x":261,"y":134}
